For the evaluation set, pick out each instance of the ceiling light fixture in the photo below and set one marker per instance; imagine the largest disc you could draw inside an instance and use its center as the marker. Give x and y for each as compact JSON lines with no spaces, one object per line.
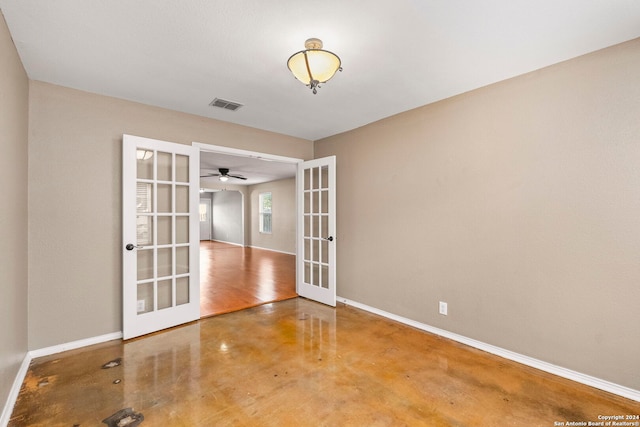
{"x":223,"y":178}
{"x":144,"y":154}
{"x":314,"y":65}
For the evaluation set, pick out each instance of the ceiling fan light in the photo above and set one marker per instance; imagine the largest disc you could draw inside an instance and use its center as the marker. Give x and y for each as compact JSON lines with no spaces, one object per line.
{"x":223,"y":178}
{"x":144,"y":154}
{"x":314,"y":65}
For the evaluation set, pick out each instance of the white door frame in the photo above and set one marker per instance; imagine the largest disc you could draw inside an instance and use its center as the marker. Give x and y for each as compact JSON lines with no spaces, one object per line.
{"x":256,"y":155}
{"x":245,"y":153}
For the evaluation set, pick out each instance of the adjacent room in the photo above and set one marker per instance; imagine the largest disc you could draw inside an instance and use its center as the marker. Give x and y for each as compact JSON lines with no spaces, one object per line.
{"x":448,"y":191}
{"x":247,"y":232}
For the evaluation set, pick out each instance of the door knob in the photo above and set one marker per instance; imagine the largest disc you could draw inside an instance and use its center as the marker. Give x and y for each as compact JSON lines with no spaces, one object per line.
{"x":330,"y":238}
{"x":130,"y":246}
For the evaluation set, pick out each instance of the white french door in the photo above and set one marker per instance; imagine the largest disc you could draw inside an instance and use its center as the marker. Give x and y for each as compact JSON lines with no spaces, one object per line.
{"x":316,"y":249}
{"x":160,"y":196}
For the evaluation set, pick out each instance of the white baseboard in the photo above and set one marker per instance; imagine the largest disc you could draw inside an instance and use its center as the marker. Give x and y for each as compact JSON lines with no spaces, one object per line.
{"x":15,"y":390}
{"x":598,"y":383}
{"x":272,"y":250}
{"x":47,"y":351}
{"x":228,"y":243}
{"x":254,"y":247}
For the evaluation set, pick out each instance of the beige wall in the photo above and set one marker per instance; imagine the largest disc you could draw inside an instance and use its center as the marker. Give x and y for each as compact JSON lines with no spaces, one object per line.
{"x":14,"y":97}
{"x":228,"y":217}
{"x":518,"y":204}
{"x":75,"y":200}
{"x":283,"y":236}
{"x":244,"y":190}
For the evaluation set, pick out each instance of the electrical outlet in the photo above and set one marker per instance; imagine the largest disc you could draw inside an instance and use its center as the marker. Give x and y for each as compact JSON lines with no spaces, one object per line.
{"x":140,"y":306}
{"x":443,"y":308}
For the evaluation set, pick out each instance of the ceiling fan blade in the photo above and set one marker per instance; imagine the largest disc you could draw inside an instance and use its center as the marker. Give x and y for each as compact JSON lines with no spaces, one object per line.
{"x":223,"y":172}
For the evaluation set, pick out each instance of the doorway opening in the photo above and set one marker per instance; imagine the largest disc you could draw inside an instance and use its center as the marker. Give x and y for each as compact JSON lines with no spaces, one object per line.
{"x":240,"y":265}
{"x":234,"y":277}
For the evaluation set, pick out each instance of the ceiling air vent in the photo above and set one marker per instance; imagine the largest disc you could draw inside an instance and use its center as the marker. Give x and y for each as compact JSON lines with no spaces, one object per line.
{"x":227,"y":105}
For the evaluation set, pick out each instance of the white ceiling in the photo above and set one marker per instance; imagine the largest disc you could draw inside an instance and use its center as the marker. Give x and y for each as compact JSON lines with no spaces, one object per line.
{"x":396,"y":54}
{"x":255,"y":170}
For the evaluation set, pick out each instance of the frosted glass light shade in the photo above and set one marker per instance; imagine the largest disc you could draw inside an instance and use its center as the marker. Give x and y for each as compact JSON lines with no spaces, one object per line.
{"x":144,"y":154}
{"x":314,"y":65}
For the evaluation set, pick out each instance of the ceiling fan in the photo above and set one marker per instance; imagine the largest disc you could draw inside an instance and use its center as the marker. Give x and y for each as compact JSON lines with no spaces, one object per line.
{"x":224,"y":175}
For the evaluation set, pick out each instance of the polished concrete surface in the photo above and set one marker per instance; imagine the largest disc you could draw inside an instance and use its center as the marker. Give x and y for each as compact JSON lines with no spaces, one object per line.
{"x":299,"y":363}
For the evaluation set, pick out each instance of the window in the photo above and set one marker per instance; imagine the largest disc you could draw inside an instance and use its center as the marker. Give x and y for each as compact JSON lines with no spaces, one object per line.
{"x":144,"y":206}
{"x":203,"y":212}
{"x":265,"y":212}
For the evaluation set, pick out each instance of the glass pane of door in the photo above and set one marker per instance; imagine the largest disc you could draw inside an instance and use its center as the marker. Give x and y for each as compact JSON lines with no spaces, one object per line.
{"x":315,"y":229}
{"x":156,"y":267}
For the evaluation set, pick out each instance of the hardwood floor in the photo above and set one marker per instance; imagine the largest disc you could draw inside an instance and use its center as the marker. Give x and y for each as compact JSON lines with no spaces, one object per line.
{"x":300,"y":363}
{"x":234,"y":278}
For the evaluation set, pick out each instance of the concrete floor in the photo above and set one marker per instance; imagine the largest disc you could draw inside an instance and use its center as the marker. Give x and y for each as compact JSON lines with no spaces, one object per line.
{"x":299,"y":363}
